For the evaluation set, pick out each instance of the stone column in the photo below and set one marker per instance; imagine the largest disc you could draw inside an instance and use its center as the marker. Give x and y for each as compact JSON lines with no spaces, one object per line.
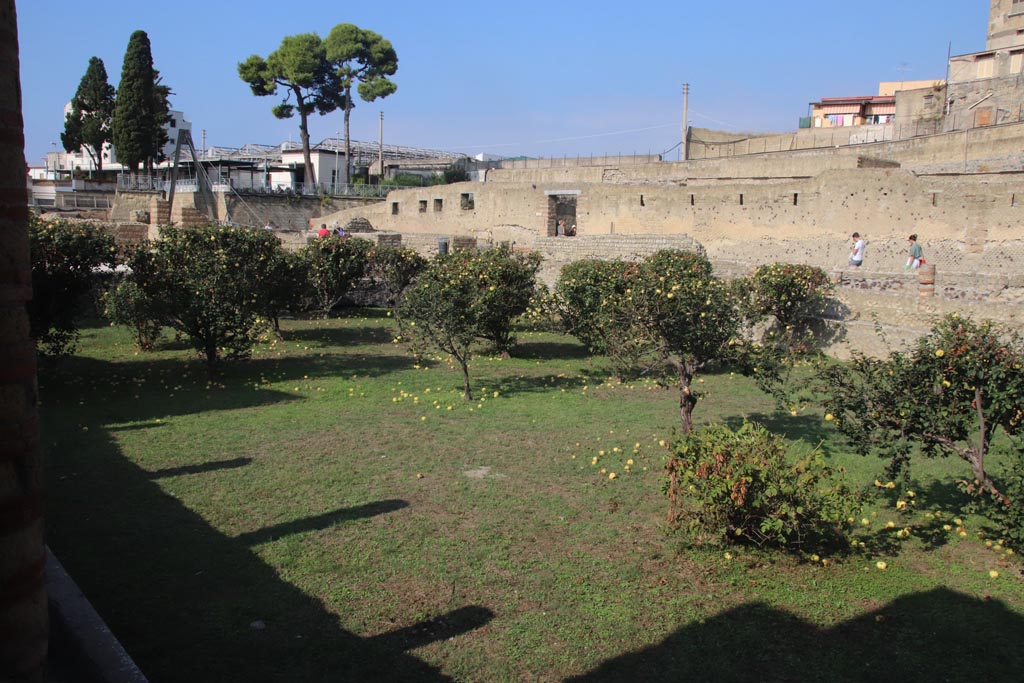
{"x":24,"y":623}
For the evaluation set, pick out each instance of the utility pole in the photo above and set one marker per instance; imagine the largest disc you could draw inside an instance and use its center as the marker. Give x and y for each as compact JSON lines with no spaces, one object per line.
{"x":380,"y":149}
{"x":204,"y":143}
{"x":337,"y":142}
{"x":684,"y":152}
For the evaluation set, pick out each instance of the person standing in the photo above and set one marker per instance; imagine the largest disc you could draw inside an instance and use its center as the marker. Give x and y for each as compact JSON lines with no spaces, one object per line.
{"x":857,"y":253}
{"x":916,"y":257}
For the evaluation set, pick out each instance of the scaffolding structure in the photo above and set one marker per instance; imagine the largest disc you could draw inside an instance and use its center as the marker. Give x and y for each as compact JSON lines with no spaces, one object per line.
{"x":362,"y":152}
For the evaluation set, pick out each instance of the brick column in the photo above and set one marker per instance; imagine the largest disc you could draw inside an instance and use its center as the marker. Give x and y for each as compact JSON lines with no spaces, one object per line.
{"x":24,"y":623}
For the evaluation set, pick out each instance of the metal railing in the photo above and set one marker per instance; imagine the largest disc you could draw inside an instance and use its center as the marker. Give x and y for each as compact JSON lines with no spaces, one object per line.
{"x":148,"y":183}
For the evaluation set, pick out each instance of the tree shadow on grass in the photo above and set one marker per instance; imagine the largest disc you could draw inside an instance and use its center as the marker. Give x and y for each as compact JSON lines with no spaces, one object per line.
{"x":539,"y":384}
{"x":912,"y":638}
{"x":341,"y":336}
{"x":192,"y":604}
{"x":200,"y":468}
{"x":550,"y":350}
{"x":181,"y":386}
{"x":324,"y":521}
{"x":806,"y":428}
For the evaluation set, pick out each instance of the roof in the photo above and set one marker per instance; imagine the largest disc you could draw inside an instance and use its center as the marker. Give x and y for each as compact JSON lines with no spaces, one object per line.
{"x":862,"y":99}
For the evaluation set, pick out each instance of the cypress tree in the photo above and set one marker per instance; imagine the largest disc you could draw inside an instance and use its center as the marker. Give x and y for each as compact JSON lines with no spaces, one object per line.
{"x":161,"y":116}
{"x":92,"y":107}
{"x":134,"y":115}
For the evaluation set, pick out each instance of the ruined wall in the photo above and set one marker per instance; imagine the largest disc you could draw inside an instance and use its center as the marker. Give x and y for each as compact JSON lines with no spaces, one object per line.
{"x":965,"y":223}
{"x":987,"y":102}
{"x":992,"y":148}
{"x":128,"y":204}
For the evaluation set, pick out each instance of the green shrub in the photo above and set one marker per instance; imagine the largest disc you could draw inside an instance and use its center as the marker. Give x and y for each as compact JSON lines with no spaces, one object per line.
{"x":1007,"y":520}
{"x":210,"y":284}
{"x":440,"y":307}
{"x":285,"y":286}
{"x":582,"y":295}
{"x":66,"y":261}
{"x":794,"y":297}
{"x":739,"y":486}
{"x":951,"y":394}
{"x":789,"y":292}
{"x":127,"y":304}
{"x":506,"y":283}
{"x":333,"y":265}
{"x":393,"y":269}
{"x":455,"y":174}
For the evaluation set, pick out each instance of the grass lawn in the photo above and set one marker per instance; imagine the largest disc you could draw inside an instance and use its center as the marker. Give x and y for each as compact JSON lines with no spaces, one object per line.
{"x":332,"y":511}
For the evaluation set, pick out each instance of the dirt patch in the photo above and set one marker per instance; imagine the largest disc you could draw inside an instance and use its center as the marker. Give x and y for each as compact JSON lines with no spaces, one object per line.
{"x":484,"y":473}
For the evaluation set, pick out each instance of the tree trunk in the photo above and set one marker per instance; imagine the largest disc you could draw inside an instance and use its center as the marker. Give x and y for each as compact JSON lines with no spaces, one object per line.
{"x":307,"y":157}
{"x":466,"y":391}
{"x":977,"y":463}
{"x":687,"y":400}
{"x":211,"y":360}
{"x":24,"y":624}
{"x":348,"y":140}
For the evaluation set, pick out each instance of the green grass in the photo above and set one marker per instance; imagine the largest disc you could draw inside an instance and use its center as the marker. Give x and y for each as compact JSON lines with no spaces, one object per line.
{"x":325,"y":489}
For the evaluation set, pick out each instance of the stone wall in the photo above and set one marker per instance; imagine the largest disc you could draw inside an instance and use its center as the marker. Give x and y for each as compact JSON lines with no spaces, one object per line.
{"x":809,"y":153}
{"x":966,"y":223}
{"x":128,"y":205}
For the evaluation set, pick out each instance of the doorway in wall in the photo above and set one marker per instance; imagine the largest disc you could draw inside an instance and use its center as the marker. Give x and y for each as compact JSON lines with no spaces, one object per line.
{"x":562,"y":206}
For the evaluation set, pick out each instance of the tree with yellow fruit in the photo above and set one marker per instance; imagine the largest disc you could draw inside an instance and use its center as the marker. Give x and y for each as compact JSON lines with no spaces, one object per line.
{"x":949,"y":395}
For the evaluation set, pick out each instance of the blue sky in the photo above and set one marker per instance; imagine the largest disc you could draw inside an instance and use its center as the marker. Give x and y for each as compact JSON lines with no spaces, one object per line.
{"x":513,"y":78}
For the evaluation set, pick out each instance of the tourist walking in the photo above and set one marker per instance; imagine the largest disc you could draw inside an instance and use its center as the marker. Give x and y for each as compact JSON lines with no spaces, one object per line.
{"x":857,"y":253}
{"x":916,"y":257}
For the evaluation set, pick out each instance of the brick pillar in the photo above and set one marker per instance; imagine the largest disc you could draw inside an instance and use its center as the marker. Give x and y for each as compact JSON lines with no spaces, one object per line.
{"x":24,"y":625}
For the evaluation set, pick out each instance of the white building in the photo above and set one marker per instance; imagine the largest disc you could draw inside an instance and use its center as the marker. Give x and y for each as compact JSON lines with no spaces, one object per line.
{"x":60,"y":163}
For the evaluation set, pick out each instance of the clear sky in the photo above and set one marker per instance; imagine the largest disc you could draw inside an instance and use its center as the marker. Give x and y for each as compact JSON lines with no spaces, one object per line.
{"x":555,"y":78}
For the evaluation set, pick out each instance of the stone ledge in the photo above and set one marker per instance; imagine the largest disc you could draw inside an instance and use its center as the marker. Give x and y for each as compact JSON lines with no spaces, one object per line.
{"x":82,"y":631}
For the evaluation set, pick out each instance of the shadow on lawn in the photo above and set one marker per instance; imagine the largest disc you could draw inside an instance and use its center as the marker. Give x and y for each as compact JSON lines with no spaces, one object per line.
{"x":549,"y":350}
{"x":192,"y":604}
{"x":199,"y":469}
{"x":342,"y":336}
{"x":807,"y":428}
{"x":934,"y":635}
{"x":540,"y":383}
{"x":318,"y":522}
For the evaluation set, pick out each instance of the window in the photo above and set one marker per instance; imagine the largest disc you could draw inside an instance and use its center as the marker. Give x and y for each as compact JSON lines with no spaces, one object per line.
{"x":1016,"y":61}
{"x":985,"y":64}
{"x":1016,"y":7}
{"x":466,"y":200}
{"x":438,"y":204}
{"x":394,"y":208}
{"x":174,"y":124}
{"x":423,"y":206}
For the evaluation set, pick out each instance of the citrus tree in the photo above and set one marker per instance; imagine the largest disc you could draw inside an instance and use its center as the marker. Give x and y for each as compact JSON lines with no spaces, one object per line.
{"x":66,"y":262}
{"x":584,"y":291}
{"x":950,"y":394}
{"x":393,"y":269}
{"x":793,"y":297}
{"x":441,"y":308}
{"x":209,"y":283}
{"x":506,"y":284}
{"x":333,"y":265}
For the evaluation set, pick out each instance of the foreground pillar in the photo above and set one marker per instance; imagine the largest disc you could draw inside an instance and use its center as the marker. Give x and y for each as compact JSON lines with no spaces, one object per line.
{"x":23,"y":613}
